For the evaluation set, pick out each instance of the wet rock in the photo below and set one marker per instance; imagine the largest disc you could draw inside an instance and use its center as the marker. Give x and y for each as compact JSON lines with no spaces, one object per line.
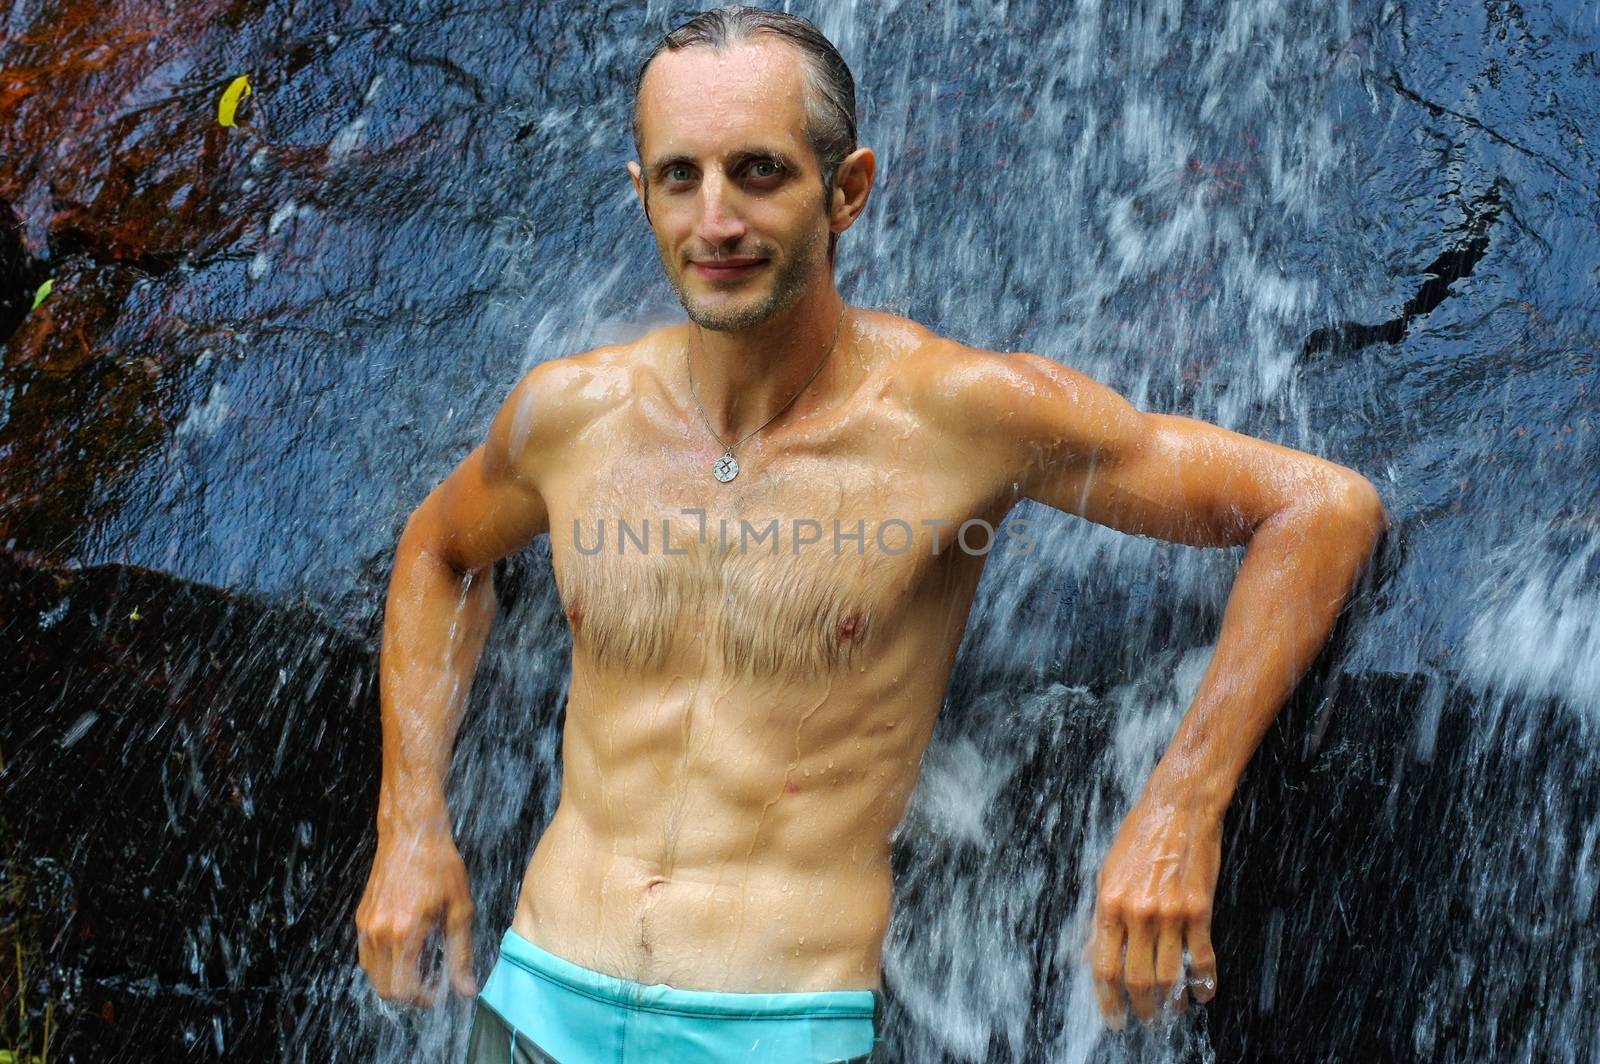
{"x":1453,"y":264}
{"x":180,"y":847}
{"x":20,"y":274}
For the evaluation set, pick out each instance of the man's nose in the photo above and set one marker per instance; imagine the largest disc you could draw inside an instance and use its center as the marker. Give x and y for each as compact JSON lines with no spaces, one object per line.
{"x":720,"y":223}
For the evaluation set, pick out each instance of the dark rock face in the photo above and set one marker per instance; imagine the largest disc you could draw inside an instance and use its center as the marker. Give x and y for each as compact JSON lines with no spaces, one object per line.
{"x":1369,"y":231}
{"x":19,"y":273}
{"x":189,"y":784}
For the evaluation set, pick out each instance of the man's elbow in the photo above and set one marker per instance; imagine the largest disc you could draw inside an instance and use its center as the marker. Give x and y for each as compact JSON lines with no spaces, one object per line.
{"x":424,"y":539}
{"x":1358,"y":505}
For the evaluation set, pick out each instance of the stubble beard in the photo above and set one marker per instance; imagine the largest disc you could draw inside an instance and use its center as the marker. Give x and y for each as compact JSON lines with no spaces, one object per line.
{"x":786,"y":290}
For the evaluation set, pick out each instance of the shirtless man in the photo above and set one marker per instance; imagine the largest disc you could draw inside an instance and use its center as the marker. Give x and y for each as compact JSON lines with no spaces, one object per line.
{"x":746,"y":717}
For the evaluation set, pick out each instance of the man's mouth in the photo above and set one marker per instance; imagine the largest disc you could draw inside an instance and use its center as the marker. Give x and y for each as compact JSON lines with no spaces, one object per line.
{"x":727,"y":269}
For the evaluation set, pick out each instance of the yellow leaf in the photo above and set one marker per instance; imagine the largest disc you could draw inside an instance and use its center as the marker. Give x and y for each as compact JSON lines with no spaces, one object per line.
{"x":38,"y":297}
{"x":237,"y":89}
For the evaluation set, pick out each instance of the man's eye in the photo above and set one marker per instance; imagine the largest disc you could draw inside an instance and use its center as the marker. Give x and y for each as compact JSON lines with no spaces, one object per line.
{"x":678,"y":173}
{"x":766,"y":168}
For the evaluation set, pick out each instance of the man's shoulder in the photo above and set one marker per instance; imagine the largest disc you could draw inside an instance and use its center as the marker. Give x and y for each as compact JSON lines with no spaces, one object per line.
{"x":1009,"y":405}
{"x":556,"y":399}
{"x":569,"y":390}
{"x":964,"y":386}
{"x":621,"y":358}
{"x":915,"y":355}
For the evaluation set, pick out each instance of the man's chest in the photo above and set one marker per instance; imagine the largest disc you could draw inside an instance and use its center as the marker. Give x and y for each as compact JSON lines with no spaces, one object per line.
{"x":811,"y":559}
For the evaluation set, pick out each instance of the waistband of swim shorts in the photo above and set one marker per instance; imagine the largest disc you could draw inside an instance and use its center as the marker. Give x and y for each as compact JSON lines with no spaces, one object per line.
{"x":661,"y":997}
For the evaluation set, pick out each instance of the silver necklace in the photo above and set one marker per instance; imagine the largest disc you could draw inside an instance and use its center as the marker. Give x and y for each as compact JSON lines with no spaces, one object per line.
{"x":727,"y":467}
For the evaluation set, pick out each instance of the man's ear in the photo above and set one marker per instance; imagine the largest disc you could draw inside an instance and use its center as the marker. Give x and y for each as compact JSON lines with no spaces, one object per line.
{"x":852,"y":183}
{"x":639,"y":187}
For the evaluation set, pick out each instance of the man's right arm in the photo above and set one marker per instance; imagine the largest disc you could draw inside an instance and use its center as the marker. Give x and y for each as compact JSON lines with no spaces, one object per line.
{"x":439,"y":610}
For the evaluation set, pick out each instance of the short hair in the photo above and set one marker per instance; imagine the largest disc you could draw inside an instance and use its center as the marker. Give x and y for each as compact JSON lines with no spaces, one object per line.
{"x":831,"y":95}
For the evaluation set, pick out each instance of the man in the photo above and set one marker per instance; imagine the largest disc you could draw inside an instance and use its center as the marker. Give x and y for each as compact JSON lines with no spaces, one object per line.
{"x":747,"y":716}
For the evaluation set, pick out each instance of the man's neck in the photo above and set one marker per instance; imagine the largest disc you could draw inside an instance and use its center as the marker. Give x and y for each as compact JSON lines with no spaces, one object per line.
{"x":745,"y":377}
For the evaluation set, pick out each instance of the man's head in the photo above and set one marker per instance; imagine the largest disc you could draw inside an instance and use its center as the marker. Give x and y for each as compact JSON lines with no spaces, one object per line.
{"x":744,"y":124}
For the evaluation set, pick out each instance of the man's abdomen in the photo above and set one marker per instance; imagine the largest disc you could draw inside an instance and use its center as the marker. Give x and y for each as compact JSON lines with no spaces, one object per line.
{"x":741,"y":922}
{"x":719,"y":833}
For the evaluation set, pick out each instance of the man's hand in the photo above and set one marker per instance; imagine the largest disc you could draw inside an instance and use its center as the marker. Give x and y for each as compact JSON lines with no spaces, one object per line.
{"x":1154,"y":896}
{"x":417,"y":879}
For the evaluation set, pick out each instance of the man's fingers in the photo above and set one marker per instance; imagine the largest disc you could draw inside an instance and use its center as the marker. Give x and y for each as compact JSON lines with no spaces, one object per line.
{"x":1202,"y":962}
{"x":418,"y":881}
{"x":1139,"y":969}
{"x":364,"y":952}
{"x":459,"y":946}
{"x":1105,"y":962}
{"x":429,"y":989}
{"x":398,"y":959}
{"x":1169,"y":964}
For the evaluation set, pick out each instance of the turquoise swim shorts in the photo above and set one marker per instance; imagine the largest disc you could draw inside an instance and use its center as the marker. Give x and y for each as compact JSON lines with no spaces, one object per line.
{"x":537,"y":1008}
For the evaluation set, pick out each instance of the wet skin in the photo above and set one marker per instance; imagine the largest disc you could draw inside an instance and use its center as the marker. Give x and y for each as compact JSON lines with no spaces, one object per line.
{"x":744,"y":728}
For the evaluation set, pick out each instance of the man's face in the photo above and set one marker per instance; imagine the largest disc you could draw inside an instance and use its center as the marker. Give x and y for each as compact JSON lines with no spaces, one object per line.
{"x":734,"y":189}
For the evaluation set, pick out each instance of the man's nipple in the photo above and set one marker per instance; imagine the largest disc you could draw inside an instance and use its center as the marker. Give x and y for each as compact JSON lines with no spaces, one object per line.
{"x":852,"y":626}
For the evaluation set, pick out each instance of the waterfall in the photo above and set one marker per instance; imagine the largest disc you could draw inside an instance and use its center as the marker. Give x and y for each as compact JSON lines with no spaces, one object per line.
{"x":1367,"y":230}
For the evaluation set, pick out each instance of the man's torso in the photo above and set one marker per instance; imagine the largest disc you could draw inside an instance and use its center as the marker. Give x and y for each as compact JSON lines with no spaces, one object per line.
{"x":744,"y":726}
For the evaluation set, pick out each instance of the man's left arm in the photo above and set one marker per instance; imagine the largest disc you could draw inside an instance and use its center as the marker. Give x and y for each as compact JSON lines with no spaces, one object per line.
{"x":1310,"y":527}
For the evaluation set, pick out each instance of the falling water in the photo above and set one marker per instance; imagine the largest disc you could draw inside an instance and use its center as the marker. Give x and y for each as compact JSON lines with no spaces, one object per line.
{"x":1363,"y":230}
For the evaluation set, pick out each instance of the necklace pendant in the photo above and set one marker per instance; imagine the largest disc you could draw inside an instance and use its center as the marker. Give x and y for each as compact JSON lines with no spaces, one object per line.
{"x":726,"y":469}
